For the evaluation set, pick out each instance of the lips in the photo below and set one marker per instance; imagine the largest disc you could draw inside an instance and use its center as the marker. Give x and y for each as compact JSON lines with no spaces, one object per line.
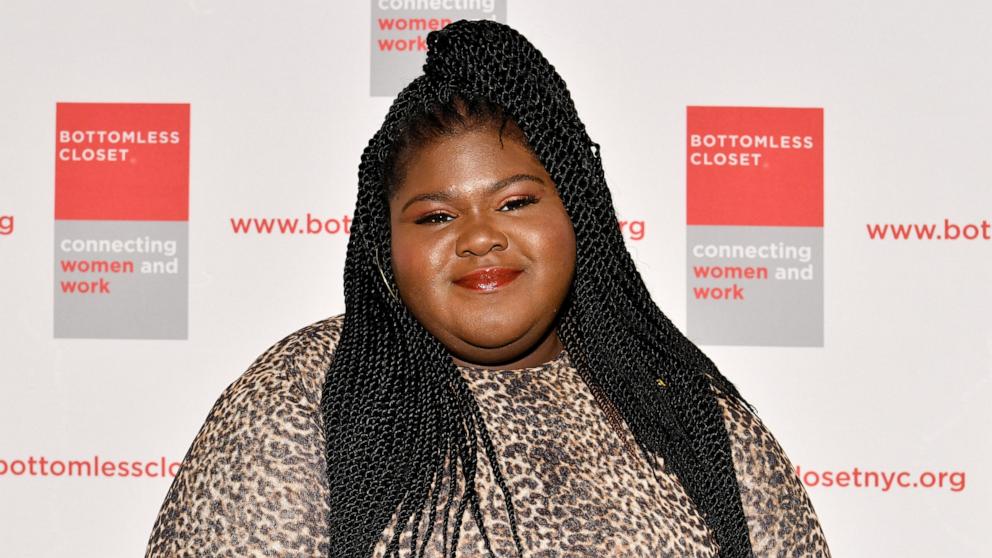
{"x":488,"y":279}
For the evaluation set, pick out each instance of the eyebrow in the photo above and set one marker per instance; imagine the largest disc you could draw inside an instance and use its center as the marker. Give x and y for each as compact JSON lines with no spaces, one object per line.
{"x":445,"y":195}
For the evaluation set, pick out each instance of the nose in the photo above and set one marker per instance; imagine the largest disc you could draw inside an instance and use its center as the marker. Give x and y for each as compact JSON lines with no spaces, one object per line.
{"x":478,"y":237}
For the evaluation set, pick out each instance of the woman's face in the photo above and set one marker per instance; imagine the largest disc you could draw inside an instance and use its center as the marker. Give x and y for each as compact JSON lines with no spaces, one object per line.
{"x":482,"y":249}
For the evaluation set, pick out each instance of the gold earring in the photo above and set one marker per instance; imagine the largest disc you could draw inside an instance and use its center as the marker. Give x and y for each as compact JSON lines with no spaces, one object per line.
{"x":375,"y":255}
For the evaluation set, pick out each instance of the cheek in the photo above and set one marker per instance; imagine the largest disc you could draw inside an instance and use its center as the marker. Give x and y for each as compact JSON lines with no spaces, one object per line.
{"x":415,"y":263}
{"x":557,"y":243}
{"x":404,"y":266}
{"x":551,"y":243}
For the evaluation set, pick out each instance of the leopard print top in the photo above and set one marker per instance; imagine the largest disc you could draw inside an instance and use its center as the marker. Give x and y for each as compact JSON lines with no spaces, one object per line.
{"x":252,"y":483}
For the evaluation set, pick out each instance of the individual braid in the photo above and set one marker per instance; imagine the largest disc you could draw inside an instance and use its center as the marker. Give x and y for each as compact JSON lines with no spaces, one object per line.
{"x":400,"y":421}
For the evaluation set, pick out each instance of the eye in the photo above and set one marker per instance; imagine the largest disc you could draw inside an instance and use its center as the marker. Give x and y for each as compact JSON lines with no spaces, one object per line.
{"x":433,"y":219}
{"x":517,"y":203}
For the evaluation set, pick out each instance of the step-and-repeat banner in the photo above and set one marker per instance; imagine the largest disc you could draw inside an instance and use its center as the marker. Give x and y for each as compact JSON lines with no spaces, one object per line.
{"x":805,"y":189}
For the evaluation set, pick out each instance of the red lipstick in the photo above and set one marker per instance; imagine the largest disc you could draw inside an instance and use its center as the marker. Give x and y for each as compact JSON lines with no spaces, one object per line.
{"x":488,"y":278}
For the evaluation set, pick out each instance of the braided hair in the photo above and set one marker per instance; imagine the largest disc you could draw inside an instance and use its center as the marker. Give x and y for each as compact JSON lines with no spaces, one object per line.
{"x":400,"y":421}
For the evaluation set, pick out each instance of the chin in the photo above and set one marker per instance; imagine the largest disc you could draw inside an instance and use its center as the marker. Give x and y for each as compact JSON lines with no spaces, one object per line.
{"x":492,"y":330}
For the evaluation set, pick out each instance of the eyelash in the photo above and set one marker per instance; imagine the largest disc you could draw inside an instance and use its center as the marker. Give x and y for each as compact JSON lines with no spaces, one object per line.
{"x":516,"y":203}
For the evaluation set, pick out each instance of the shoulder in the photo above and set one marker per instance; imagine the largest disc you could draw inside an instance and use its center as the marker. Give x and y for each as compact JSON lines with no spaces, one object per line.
{"x":257,"y":461}
{"x":298,"y":360}
{"x":289,"y":373}
{"x":780,"y":515}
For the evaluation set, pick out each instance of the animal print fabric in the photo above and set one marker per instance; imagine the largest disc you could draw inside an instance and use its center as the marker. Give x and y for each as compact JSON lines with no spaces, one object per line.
{"x":252,"y":483}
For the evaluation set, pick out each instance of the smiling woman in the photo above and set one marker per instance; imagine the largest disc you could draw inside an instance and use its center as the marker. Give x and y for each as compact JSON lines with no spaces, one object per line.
{"x":501,"y":383}
{"x":482,"y":247}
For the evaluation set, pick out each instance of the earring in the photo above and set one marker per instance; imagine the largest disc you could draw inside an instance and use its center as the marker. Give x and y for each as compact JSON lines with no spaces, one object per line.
{"x":375,"y":255}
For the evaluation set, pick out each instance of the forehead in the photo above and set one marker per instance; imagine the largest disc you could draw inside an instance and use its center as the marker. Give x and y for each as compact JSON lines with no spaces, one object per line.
{"x":466,"y":159}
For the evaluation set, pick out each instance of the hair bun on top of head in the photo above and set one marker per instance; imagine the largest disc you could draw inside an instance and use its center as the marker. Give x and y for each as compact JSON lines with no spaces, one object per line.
{"x":488,"y":59}
{"x":483,"y":55}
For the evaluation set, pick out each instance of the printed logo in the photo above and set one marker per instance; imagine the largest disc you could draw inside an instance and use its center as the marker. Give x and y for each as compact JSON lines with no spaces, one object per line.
{"x":399,"y":35}
{"x":754,"y":200}
{"x":121,"y":220}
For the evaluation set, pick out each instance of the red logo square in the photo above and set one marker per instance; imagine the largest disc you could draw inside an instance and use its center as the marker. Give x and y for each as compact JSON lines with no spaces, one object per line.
{"x":754,"y":166}
{"x":122,"y":161}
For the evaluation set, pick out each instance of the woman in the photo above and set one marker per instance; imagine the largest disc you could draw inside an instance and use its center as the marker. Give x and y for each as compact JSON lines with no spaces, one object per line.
{"x":502,"y":383}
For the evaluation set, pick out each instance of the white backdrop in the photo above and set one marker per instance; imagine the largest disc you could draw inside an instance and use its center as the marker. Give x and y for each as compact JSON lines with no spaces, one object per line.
{"x":279,"y":96}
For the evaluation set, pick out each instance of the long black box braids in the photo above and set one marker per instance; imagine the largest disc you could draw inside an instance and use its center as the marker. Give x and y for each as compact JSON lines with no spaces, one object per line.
{"x":400,"y":421}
